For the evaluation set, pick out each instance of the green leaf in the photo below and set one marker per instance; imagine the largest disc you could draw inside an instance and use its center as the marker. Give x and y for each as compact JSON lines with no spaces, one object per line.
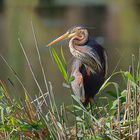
{"x":26,"y":97}
{"x":2,"y":114}
{"x":71,"y":79}
{"x":78,"y":119}
{"x":112,"y":93}
{"x":77,"y":107}
{"x":105,"y":84}
{"x":115,"y":103}
{"x":129,"y":76}
{"x":138,"y":78}
{"x":59,"y":125}
{"x":60,"y":65}
{"x":63,"y":56}
{"x":26,"y":127}
{"x":123,"y":93}
{"x":13,"y":120}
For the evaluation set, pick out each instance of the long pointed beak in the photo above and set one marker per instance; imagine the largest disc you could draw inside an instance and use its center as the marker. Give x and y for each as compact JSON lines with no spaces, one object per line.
{"x":64,"y":36}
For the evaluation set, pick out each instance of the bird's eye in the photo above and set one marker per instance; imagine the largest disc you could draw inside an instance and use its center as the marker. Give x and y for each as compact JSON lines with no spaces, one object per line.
{"x":81,"y":33}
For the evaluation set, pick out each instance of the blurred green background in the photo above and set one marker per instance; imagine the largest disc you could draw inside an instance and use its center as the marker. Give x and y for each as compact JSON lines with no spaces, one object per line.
{"x":116,"y":25}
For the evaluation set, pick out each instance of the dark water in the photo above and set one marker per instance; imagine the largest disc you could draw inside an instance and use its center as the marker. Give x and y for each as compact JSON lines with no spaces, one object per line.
{"x":115,"y":25}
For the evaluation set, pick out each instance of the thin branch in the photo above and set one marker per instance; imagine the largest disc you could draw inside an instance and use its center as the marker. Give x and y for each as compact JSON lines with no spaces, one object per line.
{"x":39,"y":57}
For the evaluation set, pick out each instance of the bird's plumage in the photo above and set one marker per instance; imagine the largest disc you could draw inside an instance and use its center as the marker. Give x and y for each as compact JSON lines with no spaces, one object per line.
{"x":89,"y":77}
{"x":89,"y":63}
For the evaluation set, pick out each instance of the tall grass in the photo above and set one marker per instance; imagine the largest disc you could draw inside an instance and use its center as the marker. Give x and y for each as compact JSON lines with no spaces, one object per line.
{"x":118,"y":118}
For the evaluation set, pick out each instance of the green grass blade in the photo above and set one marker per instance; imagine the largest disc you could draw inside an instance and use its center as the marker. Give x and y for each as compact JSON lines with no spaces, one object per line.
{"x":63,"y":56}
{"x":60,"y":64}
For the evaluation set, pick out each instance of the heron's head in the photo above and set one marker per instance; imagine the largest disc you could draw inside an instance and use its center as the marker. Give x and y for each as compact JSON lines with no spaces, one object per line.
{"x":76,"y":31}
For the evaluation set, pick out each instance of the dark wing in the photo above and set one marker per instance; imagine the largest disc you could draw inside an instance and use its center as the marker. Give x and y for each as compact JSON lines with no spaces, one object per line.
{"x":86,"y":83}
{"x":93,"y":78}
{"x":100,"y":55}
